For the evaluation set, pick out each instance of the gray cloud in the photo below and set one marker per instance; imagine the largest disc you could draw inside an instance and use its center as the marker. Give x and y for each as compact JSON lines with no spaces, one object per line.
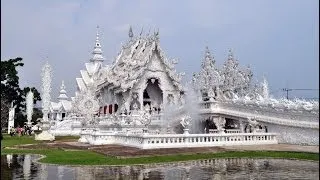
{"x":277,"y":38}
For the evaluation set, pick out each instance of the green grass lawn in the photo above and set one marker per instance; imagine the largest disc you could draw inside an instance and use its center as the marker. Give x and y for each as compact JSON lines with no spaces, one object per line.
{"x":87,"y":157}
{"x":66,"y":138}
{"x":9,"y":141}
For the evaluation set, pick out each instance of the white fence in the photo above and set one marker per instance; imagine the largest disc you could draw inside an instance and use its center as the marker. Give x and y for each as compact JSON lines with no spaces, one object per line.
{"x":148,"y":141}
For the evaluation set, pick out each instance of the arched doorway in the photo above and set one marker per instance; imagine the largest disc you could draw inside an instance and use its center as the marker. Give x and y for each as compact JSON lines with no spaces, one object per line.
{"x":231,"y":124}
{"x":153,"y":95}
{"x":209,"y":124}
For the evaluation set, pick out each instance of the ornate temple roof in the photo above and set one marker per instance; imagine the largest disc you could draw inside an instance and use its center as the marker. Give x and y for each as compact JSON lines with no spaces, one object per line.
{"x":63,"y":92}
{"x":132,"y":61}
{"x":64,"y":104}
{"x":92,"y":67}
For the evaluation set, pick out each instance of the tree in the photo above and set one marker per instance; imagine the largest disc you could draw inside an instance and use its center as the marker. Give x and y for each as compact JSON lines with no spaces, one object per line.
{"x":5,"y":107}
{"x":11,"y":92}
{"x":9,"y":86}
{"x":10,"y":80}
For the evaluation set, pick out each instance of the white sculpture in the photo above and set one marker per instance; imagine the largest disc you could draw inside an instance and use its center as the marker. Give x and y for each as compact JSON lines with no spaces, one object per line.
{"x":46,"y":89}
{"x":220,"y":123}
{"x":253,"y":123}
{"x":11,"y":117}
{"x":145,"y":119}
{"x":186,"y":123}
{"x":29,"y":109}
{"x":265,"y":89}
{"x":87,"y":104}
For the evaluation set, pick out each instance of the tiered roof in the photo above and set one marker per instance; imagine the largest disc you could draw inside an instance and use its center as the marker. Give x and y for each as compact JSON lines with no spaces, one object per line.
{"x":92,"y":67}
{"x":132,"y":61}
{"x":64,"y":104}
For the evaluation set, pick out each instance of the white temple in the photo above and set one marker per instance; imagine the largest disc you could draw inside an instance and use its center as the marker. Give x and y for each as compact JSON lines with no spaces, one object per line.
{"x":62,"y":108}
{"x":139,"y":100}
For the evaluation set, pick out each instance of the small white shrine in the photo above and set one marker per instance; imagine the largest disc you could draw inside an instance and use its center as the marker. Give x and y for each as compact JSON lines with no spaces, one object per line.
{"x":59,"y":110}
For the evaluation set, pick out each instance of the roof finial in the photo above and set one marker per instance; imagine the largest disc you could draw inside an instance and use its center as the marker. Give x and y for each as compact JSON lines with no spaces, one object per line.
{"x":230,"y":54}
{"x":97,"y":52}
{"x":207,"y":49}
{"x":156,"y":34}
{"x":63,"y":92}
{"x":97,"y":34}
{"x":141,"y":31}
{"x":208,"y":57}
{"x":149,"y":31}
{"x":130,"y":32}
{"x":63,"y":87}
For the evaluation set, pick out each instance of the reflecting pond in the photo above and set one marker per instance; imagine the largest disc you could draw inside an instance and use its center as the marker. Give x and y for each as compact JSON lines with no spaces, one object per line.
{"x":25,"y":167}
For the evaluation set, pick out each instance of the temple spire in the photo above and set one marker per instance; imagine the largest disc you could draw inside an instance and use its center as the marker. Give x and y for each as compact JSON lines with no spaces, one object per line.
{"x":208,"y":57}
{"x":97,"y":52}
{"x":141,"y":31}
{"x":230,"y":54}
{"x":63,"y":92}
{"x":130,"y":32}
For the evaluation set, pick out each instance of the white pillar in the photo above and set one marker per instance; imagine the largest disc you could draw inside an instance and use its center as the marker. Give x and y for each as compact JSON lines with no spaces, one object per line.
{"x":11,"y":117}
{"x":164,"y":93}
{"x":140,"y":94}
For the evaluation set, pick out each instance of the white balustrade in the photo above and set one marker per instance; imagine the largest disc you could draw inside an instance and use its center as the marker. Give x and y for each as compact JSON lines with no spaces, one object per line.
{"x":149,"y":141}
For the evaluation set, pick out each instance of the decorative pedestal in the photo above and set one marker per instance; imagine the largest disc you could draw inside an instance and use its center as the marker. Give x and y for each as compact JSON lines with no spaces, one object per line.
{"x":45,"y":135}
{"x":185,"y":131}
{"x":82,"y":138}
{"x":168,"y":130}
{"x":221,"y":131}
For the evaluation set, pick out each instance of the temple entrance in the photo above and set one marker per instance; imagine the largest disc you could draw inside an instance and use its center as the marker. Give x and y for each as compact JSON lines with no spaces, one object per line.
{"x":231,"y":124}
{"x":153,"y":95}
{"x":209,"y":124}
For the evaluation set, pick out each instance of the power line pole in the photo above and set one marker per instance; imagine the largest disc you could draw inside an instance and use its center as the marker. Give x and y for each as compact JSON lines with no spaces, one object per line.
{"x":287,"y":90}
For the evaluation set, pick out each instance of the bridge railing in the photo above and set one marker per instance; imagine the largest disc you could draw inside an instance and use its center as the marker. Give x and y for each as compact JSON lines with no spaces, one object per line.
{"x":194,"y":140}
{"x":212,"y":106}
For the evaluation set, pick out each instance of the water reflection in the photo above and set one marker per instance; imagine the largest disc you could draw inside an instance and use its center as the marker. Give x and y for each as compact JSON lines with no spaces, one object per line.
{"x":24,"y":167}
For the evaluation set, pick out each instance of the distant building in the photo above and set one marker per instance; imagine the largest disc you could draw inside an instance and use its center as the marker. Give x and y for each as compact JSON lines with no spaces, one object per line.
{"x":59,"y":110}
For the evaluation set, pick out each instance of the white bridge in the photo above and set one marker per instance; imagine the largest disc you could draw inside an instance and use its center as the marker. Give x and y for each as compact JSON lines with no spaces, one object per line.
{"x":294,"y":126}
{"x":253,"y":124}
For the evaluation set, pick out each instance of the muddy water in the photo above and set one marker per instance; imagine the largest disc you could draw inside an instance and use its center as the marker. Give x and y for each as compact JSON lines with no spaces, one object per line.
{"x":24,"y":167}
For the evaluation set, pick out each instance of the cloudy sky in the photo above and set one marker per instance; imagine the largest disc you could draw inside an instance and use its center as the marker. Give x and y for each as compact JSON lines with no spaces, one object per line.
{"x":278,"y":39}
